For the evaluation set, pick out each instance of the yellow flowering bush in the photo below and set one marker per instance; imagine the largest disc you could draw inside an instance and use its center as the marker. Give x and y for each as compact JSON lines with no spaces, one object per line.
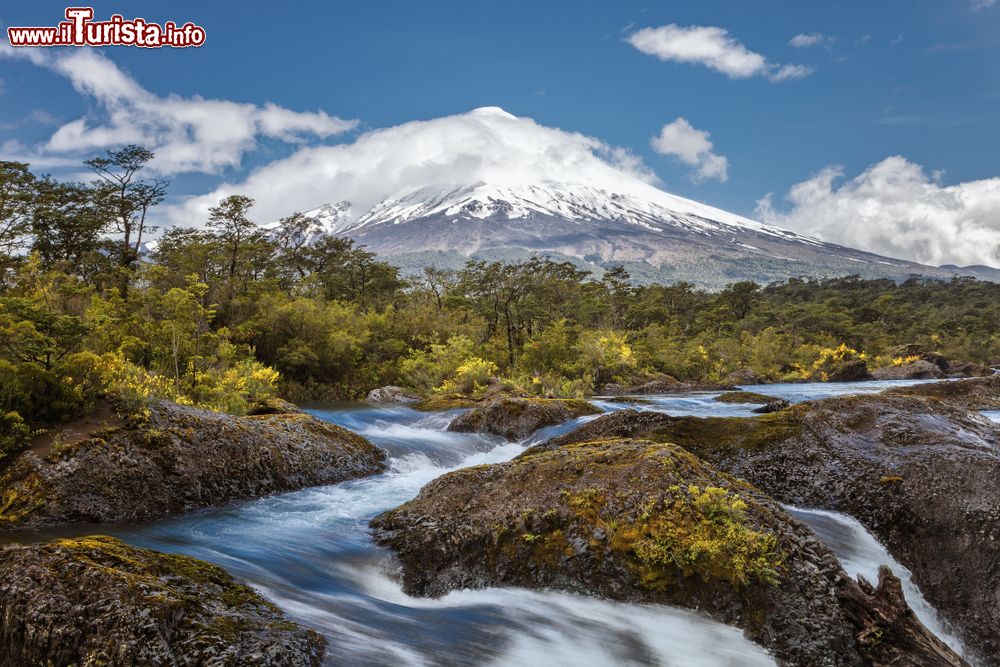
{"x":471,"y":377}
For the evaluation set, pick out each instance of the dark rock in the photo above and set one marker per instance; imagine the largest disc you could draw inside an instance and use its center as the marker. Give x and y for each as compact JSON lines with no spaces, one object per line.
{"x":774,"y":406}
{"x":918,"y":472}
{"x":740,"y":397}
{"x":275,"y":406}
{"x":178,"y":459}
{"x":392,"y":394}
{"x":912,"y":350}
{"x":97,"y":601}
{"x":517,"y":418}
{"x":972,"y":394}
{"x":890,"y":633}
{"x":967,"y":370}
{"x":643,"y":522}
{"x":744,"y":376}
{"x":850,"y":371}
{"x":915,"y":370}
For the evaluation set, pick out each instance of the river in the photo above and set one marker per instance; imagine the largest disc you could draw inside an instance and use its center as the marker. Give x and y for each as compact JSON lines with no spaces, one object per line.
{"x":311,"y":552}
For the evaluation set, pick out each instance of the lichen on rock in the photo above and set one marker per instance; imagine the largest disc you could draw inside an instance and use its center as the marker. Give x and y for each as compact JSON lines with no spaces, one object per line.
{"x":175,"y":459}
{"x":638,"y":521}
{"x":517,"y":418}
{"x":97,"y":601}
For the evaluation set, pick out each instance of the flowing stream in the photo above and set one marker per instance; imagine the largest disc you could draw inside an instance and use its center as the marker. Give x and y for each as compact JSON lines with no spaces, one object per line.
{"x":311,"y":552}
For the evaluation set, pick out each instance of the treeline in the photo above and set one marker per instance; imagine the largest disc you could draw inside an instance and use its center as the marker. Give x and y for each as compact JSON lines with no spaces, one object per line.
{"x":229,"y":314}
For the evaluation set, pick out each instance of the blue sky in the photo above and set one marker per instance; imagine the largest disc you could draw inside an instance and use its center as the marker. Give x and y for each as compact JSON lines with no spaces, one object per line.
{"x":916,"y":78}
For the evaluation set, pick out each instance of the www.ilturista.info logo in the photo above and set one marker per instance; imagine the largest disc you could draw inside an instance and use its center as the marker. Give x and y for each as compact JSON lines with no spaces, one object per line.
{"x":79,"y":29}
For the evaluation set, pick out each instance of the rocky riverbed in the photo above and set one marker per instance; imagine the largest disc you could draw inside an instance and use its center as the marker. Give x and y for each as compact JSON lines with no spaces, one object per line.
{"x":311,"y":552}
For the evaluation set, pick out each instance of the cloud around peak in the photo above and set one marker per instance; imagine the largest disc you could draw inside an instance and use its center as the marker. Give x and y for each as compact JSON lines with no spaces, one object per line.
{"x":483,"y":145}
{"x":714,"y":48}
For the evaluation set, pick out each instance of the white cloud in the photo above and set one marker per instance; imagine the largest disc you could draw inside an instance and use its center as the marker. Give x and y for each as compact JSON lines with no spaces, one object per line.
{"x":713,"y":48}
{"x":805,"y":40}
{"x":692,"y":147}
{"x":982,"y":4}
{"x":895,"y":208}
{"x":187,"y":134}
{"x":488,"y":145}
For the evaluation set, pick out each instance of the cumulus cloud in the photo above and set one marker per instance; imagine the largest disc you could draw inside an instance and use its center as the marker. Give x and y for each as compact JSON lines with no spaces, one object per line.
{"x":187,"y":134}
{"x":896,"y":208}
{"x":713,"y":48}
{"x":485,"y":145}
{"x":692,"y":147}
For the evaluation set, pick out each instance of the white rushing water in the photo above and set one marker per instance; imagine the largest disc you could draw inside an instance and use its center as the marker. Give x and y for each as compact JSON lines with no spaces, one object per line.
{"x":311,"y":552}
{"x":861,"y":554}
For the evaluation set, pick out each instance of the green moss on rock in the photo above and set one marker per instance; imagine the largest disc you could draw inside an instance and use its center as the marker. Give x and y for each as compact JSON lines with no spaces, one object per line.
{"x":740,"y":397}
{"x":517,"y":418}
{"x":178,"y":459}
{"x":96,"y":600}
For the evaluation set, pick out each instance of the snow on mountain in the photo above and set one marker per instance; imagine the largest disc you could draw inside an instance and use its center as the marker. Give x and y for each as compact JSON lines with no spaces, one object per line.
{"x":491,"y":185}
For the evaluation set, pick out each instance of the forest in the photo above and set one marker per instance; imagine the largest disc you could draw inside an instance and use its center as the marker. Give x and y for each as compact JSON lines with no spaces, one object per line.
{"x":226,"y":314}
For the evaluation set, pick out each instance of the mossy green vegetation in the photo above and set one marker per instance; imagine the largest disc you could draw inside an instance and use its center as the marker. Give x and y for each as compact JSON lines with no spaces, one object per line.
{"x":705,"y":531}
{"x":651,"y":508}
{"x":228,"y":316}
{"x":95,"y":597}
{"x":750,"y":397}
{"x":731,"y":434}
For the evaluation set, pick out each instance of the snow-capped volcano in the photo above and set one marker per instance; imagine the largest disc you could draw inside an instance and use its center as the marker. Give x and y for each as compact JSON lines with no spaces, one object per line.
{"x":491,"y":185}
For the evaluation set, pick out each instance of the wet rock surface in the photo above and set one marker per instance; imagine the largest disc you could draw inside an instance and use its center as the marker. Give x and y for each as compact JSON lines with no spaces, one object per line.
{"x":639,"y":521}
{"x":975,"y":394}
{"x":741,"y":397}
{"x":850,"y":371}
{"x":517,"y":418}
{"x":920,"y":474}
{"x":97,"y":601}
{"x":178,"y":459}
{"x":916,"y":370}
{"x":392,"y":394}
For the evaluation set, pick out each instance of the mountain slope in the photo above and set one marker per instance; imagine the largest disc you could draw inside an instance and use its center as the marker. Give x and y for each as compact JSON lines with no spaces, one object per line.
{"x":659,"y":238}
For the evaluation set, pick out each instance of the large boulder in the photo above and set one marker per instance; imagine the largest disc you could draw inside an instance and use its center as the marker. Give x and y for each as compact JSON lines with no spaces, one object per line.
{"x":973,"y":394}
{"x":850,"y":371}
{"x":958,"y":369}
{"x":97,"y":601}
{"x":741,"y":397}
{"x":639,"y":521}
{"x":915,"y":370}
{"x":392,"y":394}
{"x":177,"y":459}
{"x":744,"y":376}
{"x":517,"y":418}
{"x":919,"y":473}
